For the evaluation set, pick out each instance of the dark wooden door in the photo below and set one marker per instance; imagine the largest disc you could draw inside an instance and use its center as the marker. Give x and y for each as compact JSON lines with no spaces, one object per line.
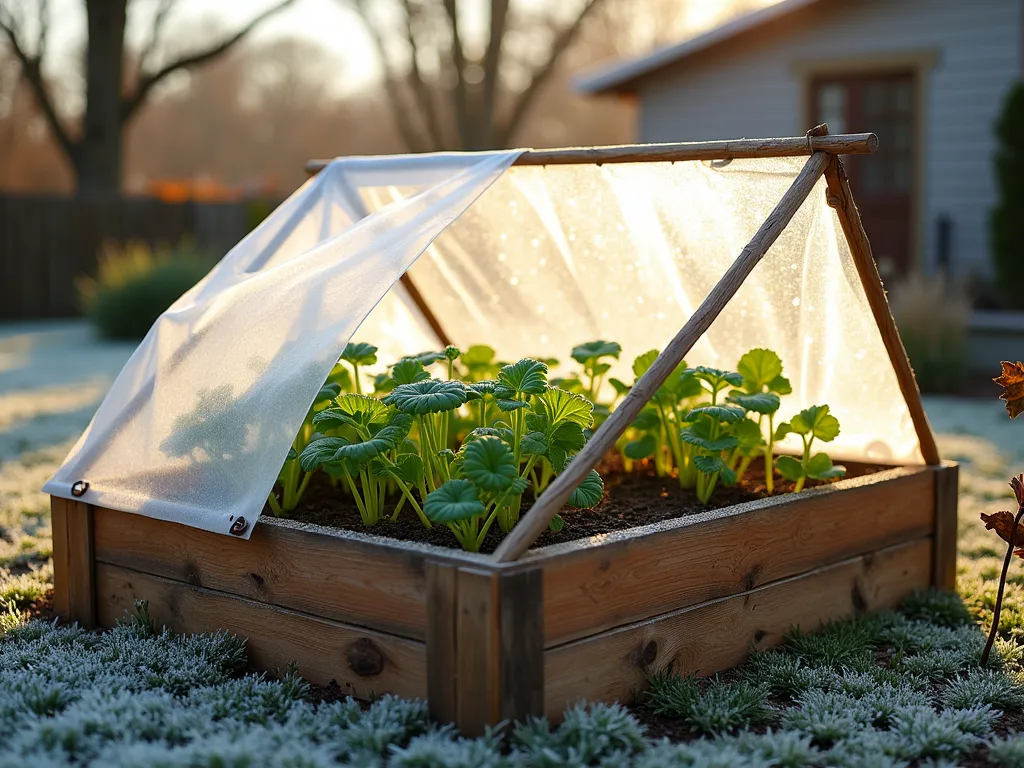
{"x":882,"y":183}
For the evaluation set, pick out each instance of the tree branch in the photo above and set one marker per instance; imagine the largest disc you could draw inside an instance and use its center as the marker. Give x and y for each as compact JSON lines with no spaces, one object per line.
{"x":420,"y":90}
{"x":32,"y":73}
{"x":400,"y":111}
{"x":148,"y":81}
{"x":459,"y":64}
{"x":522,"y":104}
{"x":492,"y":62}
{"x":156,"y":29}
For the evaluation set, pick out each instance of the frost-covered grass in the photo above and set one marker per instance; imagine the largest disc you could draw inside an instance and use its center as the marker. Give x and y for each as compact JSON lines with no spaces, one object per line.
{"x":900,"y":689}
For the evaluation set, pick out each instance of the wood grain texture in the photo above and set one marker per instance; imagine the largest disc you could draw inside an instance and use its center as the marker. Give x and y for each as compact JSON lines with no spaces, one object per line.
{"x":551,"y":500}
{"x":593,"y":586}
{"x":522,"y":644}
{"x":73,"y":564}
{"x":442,"y":597}
{"x":840,"y":197}
{"x":795,"y":146}
{"x":947,"y":485}
{"x":343,"y":579}
{"x":720,"y":634}
{"x":363,"y":662}
{"x":477,"y":658}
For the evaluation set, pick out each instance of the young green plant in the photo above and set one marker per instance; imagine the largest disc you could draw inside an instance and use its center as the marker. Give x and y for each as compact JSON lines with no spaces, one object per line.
{"x":710,"y":430}
{"x":814,"y":423}
{"x":760,"y":391}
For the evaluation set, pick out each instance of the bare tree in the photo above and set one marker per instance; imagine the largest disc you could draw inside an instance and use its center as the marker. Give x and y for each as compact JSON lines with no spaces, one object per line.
{"x":113,"y":96}
{"x":454,"y":83}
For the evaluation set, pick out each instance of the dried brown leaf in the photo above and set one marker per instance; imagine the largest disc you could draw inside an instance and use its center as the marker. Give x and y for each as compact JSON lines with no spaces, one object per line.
{"x":1002,"y":523}
{"x":1012,"y":381}
{"x":1017,"y":484}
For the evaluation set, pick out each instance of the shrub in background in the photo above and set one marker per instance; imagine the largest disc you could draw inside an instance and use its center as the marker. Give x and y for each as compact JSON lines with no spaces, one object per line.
{"x":1008,"y":215}
{"x":932,"y":315}
{"x":134,"y":284}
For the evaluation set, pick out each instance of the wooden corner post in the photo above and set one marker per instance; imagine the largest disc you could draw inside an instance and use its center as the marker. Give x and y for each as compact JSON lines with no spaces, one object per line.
{"x":485,"y":645}
{"x":74,"y":567}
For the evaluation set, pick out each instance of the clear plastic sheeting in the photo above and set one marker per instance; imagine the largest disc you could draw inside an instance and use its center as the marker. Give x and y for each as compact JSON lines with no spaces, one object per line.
{"x":530,"y":260}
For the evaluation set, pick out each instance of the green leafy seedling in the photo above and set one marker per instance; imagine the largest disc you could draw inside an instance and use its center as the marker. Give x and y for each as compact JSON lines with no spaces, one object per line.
{"x":760,"y":391}
{"x":357,"y":354}
{"x":593,"y":356}
{"x":814,"y":423}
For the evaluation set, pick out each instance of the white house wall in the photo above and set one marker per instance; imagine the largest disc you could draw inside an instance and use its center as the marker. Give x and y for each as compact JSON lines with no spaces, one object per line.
{"x":753,"y":87}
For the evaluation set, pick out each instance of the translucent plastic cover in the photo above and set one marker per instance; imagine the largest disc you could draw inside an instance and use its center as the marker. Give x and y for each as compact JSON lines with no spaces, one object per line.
{"x":530,"y":260}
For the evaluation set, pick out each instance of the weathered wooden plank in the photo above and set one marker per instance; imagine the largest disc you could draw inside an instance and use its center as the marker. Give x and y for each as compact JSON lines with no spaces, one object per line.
{"x":73,"y":566}
{"x":477,"y":659}
{"x":61,"y":556}
{"x":946,"y":492}
{"x":441,"y":599}
{"x":522,"y":644}
{"x":631,"y":576}
{"x":363,"y":662}
{"x":720,"y":634}
{"x":344,"y":579}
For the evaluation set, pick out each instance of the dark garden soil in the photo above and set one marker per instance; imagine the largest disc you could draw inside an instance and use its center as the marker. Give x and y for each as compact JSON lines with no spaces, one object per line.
{"x":631,"y":499}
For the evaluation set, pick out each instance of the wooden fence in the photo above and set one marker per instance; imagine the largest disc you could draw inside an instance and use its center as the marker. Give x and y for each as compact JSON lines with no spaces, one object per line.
{"x":48,"y":241}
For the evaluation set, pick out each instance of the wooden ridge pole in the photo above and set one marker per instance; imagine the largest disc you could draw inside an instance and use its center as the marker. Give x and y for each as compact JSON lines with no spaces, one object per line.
{"x":547,"y":505}
{"x":841,"y":199}
{"x":794,"y":146}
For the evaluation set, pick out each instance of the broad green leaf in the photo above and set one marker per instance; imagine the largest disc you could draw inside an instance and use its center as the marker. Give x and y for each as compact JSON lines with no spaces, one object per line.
{"x":568,"y":436}
{"x":558,"y":457}
{"x":320,"y":452}
{"x":621,"y":388}
{"x":536,"y":422}
{"x":780,"y":385}
{"x":359,"y":353}
{"x":643,"y":362}
{"x":489,"y":463}
{"x":759,"y":402}
{"x":408,"y":371}
{"x":341,"y":376}
{"x":589,"y":492}
{"x":715,"y":378}
{"x":408,"y":468}
{"x":534,"y":444}
{"x":327,"y":393}
{"x":749,"y":435}
{"x":480,"y":432}
{"x":595,"y":350}
{"x":485,"y":387}
{"x":600,"y":369}
{"x":383,"y":383}
{"x":354,"y":410}
{"x":360,"y":452}
{"x":709,"y":465}
{"x":647,"y":419}
{"x":727,"y":414}
{"x":758,"y":368}
{"x":816,"y":421}
{"x":789,"y":468}
{"x":478,"y":354}
{"x":556,"y":524}
{"x":427,"y":358}
{"x":728,"y":476}
{"x":292,"y":455}
{"x":699,"y":434}
{"x":680,"y":385}
{"x":640,"y":449}
{"x":527,"y":377}
{"x":560,"y":406}
{"x":570,"y":384}
{"x":820,"y":467}
{"x":430,"y":396}
{"x":453,"y":501}
{"x":782,"y":430}
{"x":511,"y":405}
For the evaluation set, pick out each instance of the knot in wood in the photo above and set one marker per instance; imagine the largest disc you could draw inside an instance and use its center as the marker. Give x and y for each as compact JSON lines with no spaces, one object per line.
{"x":649,"y":654}
{"x":833,"y":201}
{"x":365,"y":658}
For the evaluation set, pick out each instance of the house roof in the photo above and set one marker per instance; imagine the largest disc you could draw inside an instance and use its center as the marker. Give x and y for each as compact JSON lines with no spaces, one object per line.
{"x":622,"y":76}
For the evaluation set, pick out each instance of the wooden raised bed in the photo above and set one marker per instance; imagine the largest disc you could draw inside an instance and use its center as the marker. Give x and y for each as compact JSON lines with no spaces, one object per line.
{"x":521,"y":632}
{"x":485,"y":640}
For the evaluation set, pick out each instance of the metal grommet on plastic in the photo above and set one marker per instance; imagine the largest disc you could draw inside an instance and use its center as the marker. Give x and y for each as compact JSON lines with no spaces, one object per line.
{"x":240,"y":526}
{"x":79,"y":488}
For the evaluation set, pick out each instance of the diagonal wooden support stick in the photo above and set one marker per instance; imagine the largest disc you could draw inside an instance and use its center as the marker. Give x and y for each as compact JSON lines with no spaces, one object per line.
{"x":841,"y":199}
{"x":536,"y":520}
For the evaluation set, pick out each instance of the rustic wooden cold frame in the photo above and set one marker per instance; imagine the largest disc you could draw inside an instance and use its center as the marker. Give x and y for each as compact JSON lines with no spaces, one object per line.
{"x":485,"y":638}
